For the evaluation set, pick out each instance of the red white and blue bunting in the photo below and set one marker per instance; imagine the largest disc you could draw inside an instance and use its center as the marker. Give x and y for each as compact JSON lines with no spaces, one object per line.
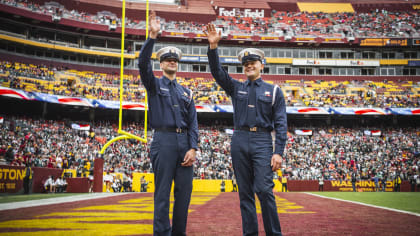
{"x":97,"y":103}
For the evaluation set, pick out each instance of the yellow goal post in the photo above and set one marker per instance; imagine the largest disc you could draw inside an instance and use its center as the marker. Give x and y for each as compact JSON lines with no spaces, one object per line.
{"x":124,"y":134}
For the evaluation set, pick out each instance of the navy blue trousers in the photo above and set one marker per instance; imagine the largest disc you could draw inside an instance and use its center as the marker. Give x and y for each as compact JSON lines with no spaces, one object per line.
{"x":251,"y":158}
{"x":167,"y":152}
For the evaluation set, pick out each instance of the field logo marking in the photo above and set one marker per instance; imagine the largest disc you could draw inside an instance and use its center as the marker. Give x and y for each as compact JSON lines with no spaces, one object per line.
{"x":127,"y":217}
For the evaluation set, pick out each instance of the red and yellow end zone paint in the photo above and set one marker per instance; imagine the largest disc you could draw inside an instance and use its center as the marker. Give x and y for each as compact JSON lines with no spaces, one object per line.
{"x":129,"y":216}
{"x":284,"y":206}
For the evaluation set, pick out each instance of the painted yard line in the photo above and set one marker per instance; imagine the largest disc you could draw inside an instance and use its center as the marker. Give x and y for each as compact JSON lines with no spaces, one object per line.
{"x":57,"y":200}
{"x":365,"y":204}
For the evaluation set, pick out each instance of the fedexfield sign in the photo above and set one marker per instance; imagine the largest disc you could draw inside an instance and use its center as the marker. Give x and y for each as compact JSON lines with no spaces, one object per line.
{"x":254,"y":13}
{"x":332,"y":62}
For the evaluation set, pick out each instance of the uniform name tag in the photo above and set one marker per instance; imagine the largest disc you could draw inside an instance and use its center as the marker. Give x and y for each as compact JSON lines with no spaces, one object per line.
{"x":164,"y":89}
{"x":243,"y":92}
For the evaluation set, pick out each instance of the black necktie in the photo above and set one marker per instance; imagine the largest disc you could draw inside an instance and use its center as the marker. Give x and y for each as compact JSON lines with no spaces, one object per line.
{"x":252,"y":111}
{"x":175,"y":105}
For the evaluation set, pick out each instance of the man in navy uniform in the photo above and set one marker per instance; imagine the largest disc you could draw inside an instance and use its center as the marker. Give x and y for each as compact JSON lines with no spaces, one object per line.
{"x":259,"y":109}
{"x":173,"y":150}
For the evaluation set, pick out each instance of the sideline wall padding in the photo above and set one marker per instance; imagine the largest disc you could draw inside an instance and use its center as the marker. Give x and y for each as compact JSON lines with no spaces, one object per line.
{"x":11,"y":181}
{"x":40,"y":175}
{"x":98,"y":169}
{"x":77,"y":185}
{"x":341,"y":186}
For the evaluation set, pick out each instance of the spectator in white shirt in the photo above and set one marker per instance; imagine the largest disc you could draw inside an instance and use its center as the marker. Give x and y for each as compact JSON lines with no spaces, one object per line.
{"x":108,"y":181}
{"x":49,"y":185}
{"x":59,"y":162}
{"x":57,"y":185}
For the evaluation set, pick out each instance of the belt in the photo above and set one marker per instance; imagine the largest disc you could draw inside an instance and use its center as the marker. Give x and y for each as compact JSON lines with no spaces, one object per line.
{"x":254,"y":129}
{"x":174,"y":130}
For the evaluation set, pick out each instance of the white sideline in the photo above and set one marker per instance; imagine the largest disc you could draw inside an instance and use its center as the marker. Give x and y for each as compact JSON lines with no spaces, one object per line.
{"x":57,"y":200}
{"x":365,"y":204}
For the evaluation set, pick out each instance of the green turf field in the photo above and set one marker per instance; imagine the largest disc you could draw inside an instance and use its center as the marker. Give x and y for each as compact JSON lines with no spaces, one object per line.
{"x":35,"y":196}
{"x":406,"y":201}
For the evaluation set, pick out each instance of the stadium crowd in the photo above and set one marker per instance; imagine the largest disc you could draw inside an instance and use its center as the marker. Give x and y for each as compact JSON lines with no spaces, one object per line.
{"x":95,"y":85}
{"x":332,"y":153}
{"x":41,"y":78}
{"x":378,"y":23}
{"x":381,"y":23}
{"x":41,"y":72}
{"x":327,"y":98}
